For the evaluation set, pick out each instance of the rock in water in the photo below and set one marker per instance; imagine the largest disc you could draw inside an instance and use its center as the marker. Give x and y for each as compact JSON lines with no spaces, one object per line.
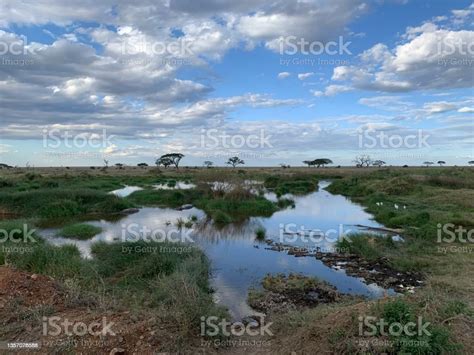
{"x":185,"y":207}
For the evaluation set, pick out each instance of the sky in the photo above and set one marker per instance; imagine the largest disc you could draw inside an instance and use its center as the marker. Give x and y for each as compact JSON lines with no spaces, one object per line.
{"x":271,"y":81}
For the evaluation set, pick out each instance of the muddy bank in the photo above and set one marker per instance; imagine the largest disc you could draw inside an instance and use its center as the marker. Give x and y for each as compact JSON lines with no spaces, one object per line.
{"x":376,"y":271}
{"x":281,"y":293}
{"x":26,"y":298}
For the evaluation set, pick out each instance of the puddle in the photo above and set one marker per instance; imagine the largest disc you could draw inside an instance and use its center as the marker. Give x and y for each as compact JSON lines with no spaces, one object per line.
{"x":180,"y":185}
{"x":239,"y":261}
{"x":125,"y":191}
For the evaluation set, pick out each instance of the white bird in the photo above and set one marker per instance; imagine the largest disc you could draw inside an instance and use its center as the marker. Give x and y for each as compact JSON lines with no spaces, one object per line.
{"x":396,"y":206}
{"x":404,"y":207}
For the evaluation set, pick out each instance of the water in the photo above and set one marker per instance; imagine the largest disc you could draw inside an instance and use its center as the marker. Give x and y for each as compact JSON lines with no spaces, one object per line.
{"x":238,"y":260}
{"x":180,"y":185}
{"x":125,"y":191}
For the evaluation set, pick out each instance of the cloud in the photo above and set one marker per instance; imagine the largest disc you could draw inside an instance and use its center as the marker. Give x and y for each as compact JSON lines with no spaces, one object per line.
{"x":304,"y":76}
{"x":387,"y":103}
{"x":438,"y":107}
{"x":283,"y":75}
{"x":332,"y":90}
{"x":428,"y":58}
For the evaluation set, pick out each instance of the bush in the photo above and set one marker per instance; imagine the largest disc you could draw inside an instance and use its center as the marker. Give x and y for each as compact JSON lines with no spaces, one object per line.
{"x":221,"y":218}
{"x":260,"y":233}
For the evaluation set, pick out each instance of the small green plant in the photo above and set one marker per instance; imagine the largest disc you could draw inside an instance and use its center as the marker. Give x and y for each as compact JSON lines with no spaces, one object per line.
{"x":260,"y":233}
{"x":221,"y":218}
{"x":79,"y":231}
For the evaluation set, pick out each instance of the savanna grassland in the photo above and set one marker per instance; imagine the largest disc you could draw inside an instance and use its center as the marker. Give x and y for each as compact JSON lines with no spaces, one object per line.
{"x":157,"y":299}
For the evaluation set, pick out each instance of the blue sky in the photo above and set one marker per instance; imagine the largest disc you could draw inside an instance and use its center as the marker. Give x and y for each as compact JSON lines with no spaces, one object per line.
{"x":110,"y":74}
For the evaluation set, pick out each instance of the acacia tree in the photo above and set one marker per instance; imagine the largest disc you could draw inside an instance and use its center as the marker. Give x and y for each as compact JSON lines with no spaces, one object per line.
{"x":378,"y":163}
{"x":362,"y":161}
{"x":234,"y":161}
{"x":208,"y":164}
{"x":441,"y":162}
{"x":321,"y":162}
{"x":163,"y":161}
{"x":142,"y":165}
{"x":170,"y":159}
{"x":471,"y":162}
{"x":309,"y":162}
{"x":428,"y":163}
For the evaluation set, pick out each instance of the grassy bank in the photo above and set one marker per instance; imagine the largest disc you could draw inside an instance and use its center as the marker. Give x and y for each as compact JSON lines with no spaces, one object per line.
{"x":166,"y":282}
{"x":420,"y":202}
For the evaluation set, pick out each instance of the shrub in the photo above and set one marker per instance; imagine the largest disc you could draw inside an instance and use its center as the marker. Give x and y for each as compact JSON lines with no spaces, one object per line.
{"x":260,"y":233}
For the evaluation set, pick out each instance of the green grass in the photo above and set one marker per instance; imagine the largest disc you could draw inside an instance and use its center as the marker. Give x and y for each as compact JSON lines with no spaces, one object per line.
{"x":296,"y":185}
{"x":365,"y":245}
{"x":79,"y":231}
{"x":233,"y":206}
{"x":164,"y":198}
{"x":436,"y":339}
{"x":56,"y":203}
{"x":260,"y":233}
{"x":167,"y":280}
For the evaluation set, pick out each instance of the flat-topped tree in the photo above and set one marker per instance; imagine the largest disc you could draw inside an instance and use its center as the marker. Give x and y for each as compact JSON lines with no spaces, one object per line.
{"x":234,"y":161}
{"x":170,"y":159}
{"x":208,"y":164}
{"x":309,"y":162}
{"x":471,"y":162}
{"x":142,"y":165}
{"x":441,"y":162}
{"x":321,"y":162}
{"x":163,"y":161}
{"x":428,"y":163}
